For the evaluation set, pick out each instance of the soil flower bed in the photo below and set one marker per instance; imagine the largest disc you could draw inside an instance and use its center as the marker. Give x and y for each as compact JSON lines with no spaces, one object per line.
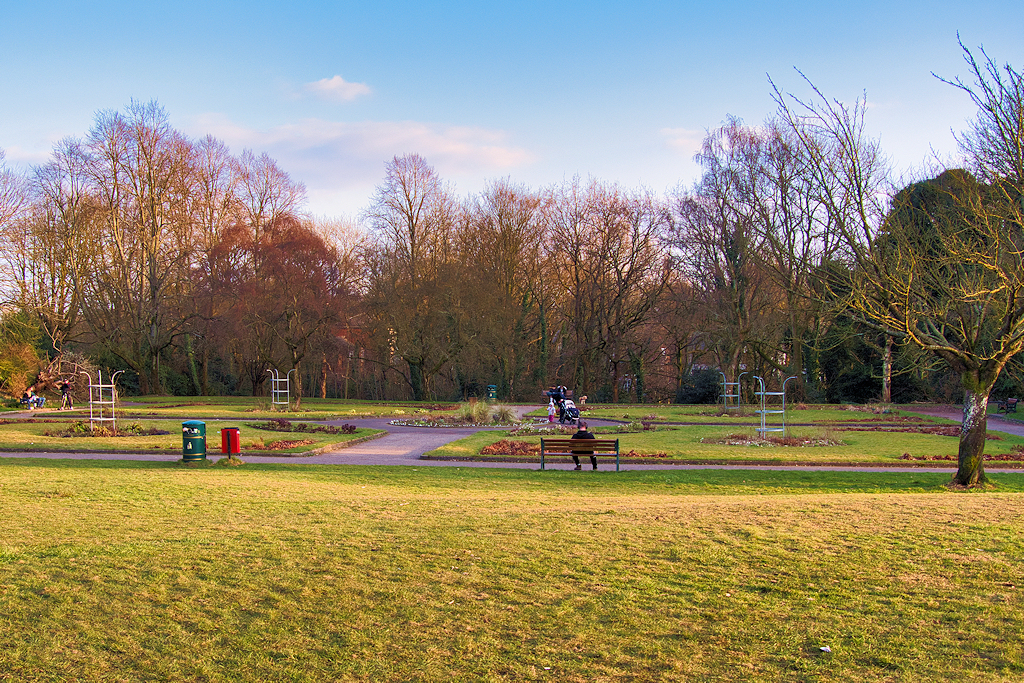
{"x":81,"y":429}
{"x":444,"y":421}
{"x":284,"y":444}
{"x":774,"y":441}
{"x":511,"y":447}
{"x":283,"y":425}
{"x":942,"y":430}
{"x":1001,"y":457}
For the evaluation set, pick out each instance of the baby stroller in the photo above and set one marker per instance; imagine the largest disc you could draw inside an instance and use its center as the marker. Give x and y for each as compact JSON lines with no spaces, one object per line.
{"x":569,"y":412}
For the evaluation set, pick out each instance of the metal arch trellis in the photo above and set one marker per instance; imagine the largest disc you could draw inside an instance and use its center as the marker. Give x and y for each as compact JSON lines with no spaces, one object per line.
{"x":769,"y":407}
{"x":732,"y":392}
{"x":102,"y":400}
{"x":280,"y":387}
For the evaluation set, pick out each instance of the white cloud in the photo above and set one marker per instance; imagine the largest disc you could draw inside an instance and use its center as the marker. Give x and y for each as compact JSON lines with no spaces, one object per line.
{"x":337,"y":89}
{"x":347,"y":158}
{"x":684,"y":140}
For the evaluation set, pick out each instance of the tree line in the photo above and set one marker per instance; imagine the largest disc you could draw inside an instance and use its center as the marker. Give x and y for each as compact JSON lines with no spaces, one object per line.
{"x":797,"y":253}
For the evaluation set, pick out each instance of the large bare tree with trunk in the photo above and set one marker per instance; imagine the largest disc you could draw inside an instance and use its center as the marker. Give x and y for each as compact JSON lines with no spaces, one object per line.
{"x":952,"y":282}
{"x":414,"y":297}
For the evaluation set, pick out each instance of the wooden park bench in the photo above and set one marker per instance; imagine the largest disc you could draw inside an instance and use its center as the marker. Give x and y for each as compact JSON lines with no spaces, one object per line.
{"x":578,"y":447}
{"x":1007,"y":406}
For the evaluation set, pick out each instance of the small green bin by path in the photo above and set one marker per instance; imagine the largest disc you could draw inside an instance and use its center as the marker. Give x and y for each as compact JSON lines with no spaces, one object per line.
{"x":492,"y":393}
{"x":193,"y":440}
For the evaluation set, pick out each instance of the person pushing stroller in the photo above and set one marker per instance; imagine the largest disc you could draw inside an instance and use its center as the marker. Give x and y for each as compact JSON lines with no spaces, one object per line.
{"x":567,"y":410}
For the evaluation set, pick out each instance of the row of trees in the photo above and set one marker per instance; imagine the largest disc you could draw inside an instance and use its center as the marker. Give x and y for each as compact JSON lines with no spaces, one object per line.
{"x":795,"y":253}
{"x":513,"y":287}
{"x":144,"y":246}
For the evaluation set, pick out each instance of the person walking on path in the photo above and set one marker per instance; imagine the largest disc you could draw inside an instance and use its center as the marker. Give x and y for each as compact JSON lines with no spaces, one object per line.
{"x":582,"y":433}
{"x":551,"y":411}
{"x":65,"y":396}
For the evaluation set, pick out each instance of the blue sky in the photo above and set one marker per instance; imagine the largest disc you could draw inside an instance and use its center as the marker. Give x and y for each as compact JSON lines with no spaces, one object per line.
{"x":536,"y":91}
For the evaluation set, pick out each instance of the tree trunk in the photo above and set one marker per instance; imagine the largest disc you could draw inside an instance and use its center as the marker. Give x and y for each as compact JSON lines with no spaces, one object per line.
{"x":416,"y":379}
{"x":679,"y":363}
{"x":204,"y":373}
{"x":796,"y":356}
{"x":298,"y":383}
{"x":636,"y":362}
{"x":970,"y":463}
{"x":887,"y":373}
{"x":978,"y":383}
{"x":193,"y":368}
{"x":615,"y":380}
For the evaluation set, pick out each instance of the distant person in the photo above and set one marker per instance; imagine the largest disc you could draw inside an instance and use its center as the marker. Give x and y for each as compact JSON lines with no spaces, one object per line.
{"x":65,"y":396}
{"x":34,"y":399}
{"x":551,"y":410}
{"x":582,"y":433}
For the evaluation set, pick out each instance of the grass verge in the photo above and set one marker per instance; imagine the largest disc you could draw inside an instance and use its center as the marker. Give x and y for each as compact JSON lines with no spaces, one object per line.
{"x":713,"y":413}
{"x":132,"y":571}
{"x":691,"y":444}
{"x":29,"y":435}
{"x":211,"y":407}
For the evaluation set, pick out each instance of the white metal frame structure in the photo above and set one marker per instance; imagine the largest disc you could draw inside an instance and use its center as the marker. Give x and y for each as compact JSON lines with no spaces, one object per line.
{"x":102,"y":400}
{"x":280,"y":386}
{"x":727,"y":392}
{"x":769,"y":406}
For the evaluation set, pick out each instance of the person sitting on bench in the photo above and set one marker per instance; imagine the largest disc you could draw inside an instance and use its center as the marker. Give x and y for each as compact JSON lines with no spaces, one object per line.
{"x":582,"y":433}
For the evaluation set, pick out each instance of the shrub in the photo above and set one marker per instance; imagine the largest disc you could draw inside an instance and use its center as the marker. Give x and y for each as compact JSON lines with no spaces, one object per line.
{"x":504,"y":414}
{"x":700,"y":386}
{"x":481,"y":413}
{"x":475,"y":412}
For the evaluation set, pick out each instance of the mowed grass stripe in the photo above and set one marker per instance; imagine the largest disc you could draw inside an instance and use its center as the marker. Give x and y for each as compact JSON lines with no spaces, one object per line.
{"x":146,"y":571}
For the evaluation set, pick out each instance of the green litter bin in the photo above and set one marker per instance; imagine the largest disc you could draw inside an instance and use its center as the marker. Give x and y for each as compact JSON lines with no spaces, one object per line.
{"x":193,"y":441}
{"x":492,"y":393}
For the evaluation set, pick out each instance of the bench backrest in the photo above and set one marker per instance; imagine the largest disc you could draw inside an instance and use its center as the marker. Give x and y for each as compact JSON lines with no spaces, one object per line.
{"x":569,"y":445}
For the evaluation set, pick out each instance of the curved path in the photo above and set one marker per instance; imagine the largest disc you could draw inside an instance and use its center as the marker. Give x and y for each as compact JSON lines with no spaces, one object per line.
{"x":406,"y":445}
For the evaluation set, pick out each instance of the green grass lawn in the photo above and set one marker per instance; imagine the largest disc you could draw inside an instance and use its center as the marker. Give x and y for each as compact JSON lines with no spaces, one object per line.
{"x":713,"y":413}
{"x":29,"y":435}
{"x":687,"y":444}
{"x":212,"y":407}
{"x":152,"y":571}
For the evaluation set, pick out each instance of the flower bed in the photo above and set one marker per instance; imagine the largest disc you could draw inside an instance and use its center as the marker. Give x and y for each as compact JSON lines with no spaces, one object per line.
{"x":773,"y":441}
{"x":283,"y":425}
{"x":81,"y":429}
{"x":1001,"y":457}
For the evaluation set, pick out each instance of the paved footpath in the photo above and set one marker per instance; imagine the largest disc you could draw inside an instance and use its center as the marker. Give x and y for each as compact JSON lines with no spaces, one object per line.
{"x":406,"y":446}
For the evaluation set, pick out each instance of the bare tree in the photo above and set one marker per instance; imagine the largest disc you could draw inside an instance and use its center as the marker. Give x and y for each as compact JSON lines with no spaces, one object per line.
{"x":13,"y":199}
{"x":413,"y":297}
{"x":504,"y":262}
{"x":611,"y":264}
{"x":134,"y":298}
{"x":719,"y":245}
{"x":796,"y":241}
{"x":955,"y":292}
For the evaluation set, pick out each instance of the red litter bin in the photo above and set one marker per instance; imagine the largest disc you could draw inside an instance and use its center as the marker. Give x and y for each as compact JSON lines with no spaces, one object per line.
{"x":230,"y":441}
